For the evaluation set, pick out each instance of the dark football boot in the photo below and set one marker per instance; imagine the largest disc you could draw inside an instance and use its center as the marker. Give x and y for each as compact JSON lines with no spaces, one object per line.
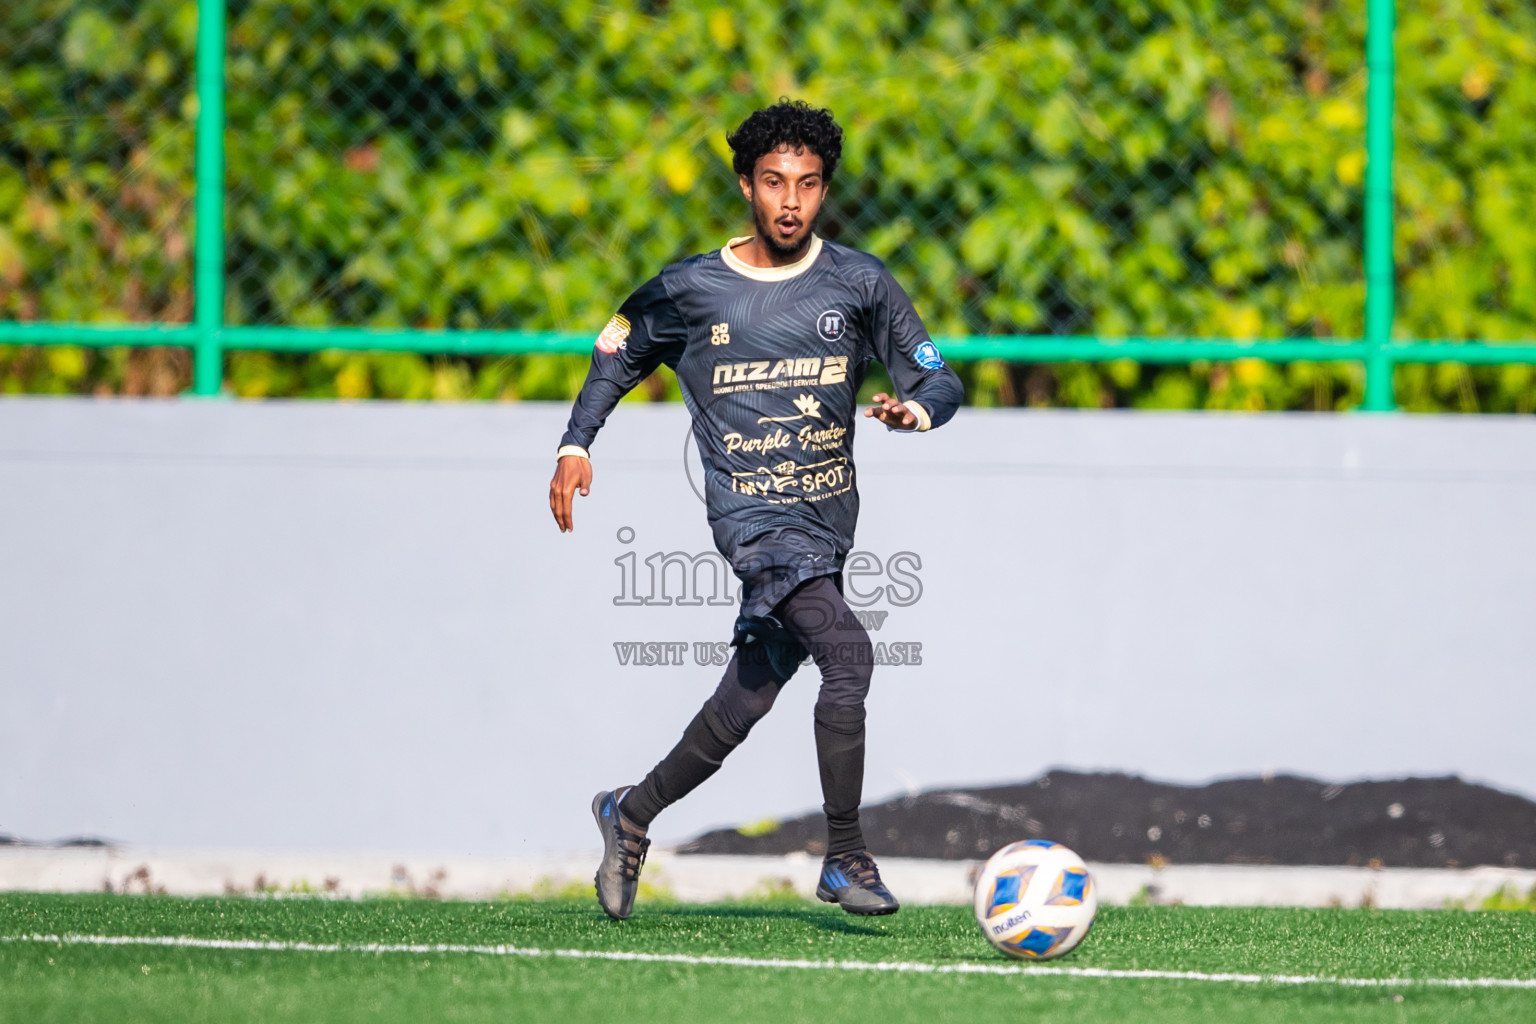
{"x":624,"y":846}
{"x":852,"y":881}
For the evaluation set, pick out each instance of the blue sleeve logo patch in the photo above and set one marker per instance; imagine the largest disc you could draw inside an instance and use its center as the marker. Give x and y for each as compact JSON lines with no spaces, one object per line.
{"x":927,"y":356}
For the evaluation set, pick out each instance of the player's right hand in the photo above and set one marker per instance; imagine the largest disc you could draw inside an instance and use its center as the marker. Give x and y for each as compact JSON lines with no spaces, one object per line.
{"x":571,"y":472}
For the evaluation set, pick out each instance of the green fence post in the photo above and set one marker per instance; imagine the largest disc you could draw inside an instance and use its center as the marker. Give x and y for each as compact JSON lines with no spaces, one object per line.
{"x":208,"y":356}
{"x":1379,"y":272}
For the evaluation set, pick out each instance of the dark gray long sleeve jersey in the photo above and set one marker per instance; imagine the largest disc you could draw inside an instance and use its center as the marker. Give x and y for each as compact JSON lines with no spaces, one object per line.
{"x":770,"y":361}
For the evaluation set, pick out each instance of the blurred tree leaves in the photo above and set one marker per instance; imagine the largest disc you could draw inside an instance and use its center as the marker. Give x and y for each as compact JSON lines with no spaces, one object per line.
{"x":1157,"y":167}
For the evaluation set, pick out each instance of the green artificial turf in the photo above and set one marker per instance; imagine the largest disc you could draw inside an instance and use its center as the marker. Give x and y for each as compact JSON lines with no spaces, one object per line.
{"x":50,"y":982}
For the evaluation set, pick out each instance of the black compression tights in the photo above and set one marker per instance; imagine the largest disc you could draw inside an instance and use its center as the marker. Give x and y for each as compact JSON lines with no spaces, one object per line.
{"x":818,"y":618}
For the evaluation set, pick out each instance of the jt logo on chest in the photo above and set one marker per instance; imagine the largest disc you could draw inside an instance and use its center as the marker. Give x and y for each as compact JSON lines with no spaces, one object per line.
{"x":832,"y":325}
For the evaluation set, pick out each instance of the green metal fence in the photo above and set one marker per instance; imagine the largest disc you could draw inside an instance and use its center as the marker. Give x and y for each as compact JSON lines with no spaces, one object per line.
{"x":433,"y":175}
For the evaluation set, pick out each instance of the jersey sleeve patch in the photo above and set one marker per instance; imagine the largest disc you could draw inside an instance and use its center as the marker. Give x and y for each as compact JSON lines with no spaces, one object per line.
{"x":612,"y":338}
{"x":927,"y":356}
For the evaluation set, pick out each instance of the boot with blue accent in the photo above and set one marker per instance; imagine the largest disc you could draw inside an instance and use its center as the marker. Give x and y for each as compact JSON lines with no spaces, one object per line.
{"x":852,"y":881}
{"x":624,"y":846}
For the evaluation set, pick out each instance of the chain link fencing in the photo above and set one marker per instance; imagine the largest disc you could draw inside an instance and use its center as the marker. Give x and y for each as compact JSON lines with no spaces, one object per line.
{"x":1182,"y":168}
{"x":1158,"y":168}
{"x":96,"y":178}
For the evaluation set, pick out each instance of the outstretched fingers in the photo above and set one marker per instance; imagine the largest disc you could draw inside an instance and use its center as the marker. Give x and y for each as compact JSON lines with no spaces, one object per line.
{"x":891,"y":412}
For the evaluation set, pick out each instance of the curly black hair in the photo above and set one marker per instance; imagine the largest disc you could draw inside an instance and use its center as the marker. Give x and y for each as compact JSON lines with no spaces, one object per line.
{"x":788,"y":121}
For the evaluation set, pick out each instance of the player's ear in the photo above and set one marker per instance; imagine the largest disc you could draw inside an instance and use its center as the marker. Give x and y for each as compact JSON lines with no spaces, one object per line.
{"x":746,"y":187}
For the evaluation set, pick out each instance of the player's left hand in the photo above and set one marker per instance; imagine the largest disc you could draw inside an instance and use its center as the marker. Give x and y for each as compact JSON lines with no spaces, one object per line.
{"x":572,"y":473}
{"x":892,"y":413}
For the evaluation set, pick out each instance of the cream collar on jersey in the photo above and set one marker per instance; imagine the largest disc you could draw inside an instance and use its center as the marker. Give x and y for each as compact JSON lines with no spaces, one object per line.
{"x":783,"y":273}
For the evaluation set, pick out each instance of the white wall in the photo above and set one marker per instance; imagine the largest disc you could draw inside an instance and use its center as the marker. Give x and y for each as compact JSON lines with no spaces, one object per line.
{"x":355,"y":627}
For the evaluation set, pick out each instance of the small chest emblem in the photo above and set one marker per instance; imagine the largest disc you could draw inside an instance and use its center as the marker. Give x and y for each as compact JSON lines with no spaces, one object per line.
{"x":832,"y":325}
{"x":720,"y":334}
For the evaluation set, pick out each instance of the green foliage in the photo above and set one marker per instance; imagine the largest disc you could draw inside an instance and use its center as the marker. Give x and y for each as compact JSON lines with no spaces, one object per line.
{"x":1509,"y":898}
{"x":775,"y":892}
{"x":1151,"y":167}
{"x":96,"y":160}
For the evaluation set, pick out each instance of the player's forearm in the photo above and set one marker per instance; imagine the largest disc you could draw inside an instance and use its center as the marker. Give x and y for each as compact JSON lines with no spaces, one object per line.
{"x":598,"y":397}
{"x":935,"y":398}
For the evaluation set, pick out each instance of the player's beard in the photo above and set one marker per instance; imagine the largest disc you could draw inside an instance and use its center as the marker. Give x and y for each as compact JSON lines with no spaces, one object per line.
{"x":778,"y":249}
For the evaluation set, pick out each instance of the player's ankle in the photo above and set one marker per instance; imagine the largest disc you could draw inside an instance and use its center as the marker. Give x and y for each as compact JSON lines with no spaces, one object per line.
{"x":625,"y":817}
{"x":842,"y":846}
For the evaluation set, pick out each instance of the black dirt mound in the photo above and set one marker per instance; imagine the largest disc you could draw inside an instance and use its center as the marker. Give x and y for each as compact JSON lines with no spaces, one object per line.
{"x":1126,"y":819}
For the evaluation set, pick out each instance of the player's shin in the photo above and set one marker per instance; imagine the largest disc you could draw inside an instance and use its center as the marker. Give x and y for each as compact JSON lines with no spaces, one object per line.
{"x":840,"y":754}
{"x":697,"y":756}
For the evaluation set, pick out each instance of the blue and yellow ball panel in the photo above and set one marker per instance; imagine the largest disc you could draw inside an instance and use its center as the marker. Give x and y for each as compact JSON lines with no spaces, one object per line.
{"x":1007,"y":888}
{"x":1044,"y":844}
{"x":1005,"y":893}
{"x":1069,"y":889}
{"x":1038,"y":942}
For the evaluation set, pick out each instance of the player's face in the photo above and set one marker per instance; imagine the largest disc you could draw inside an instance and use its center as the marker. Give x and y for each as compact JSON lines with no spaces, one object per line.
{"x":786,"y":190}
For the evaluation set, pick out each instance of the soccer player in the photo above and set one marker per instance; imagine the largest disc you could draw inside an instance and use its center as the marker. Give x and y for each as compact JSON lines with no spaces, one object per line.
{"x":769,"y":336}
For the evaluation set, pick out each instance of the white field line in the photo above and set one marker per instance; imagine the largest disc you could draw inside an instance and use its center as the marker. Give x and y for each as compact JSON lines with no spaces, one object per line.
{"x":908,"y":967}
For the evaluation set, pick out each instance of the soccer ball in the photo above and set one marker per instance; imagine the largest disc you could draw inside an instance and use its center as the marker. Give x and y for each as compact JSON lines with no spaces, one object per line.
{"x":1035,"y":900}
